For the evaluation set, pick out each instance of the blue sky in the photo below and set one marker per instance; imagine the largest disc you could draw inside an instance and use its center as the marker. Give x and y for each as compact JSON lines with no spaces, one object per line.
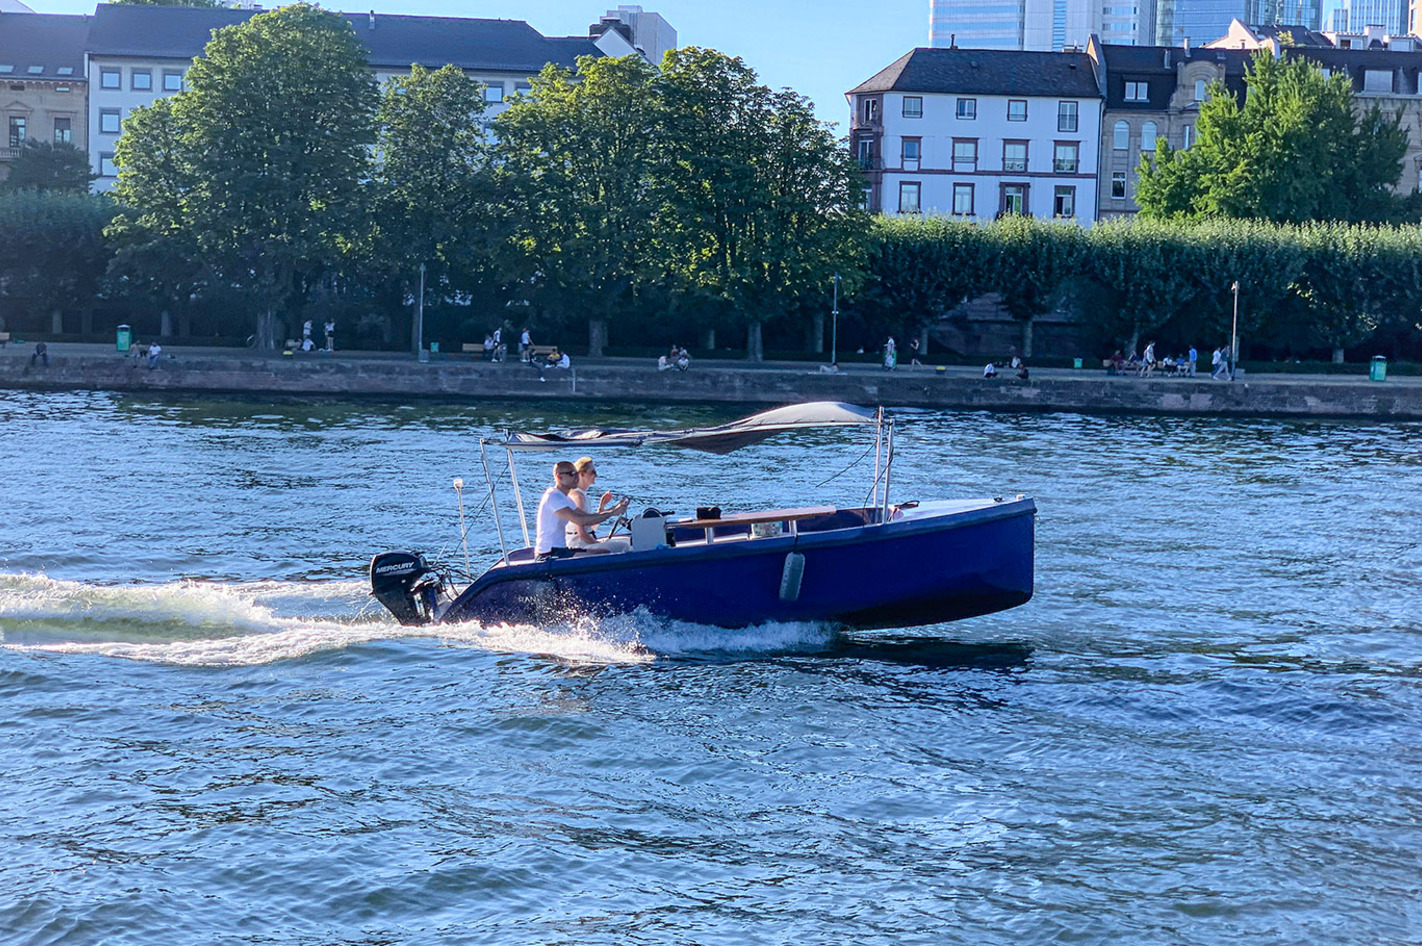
{"x":820,"y":49}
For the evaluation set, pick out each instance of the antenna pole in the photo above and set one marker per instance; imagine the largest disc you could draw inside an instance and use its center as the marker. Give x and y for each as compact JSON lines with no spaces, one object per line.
{"x":888,"y":470}
{"x":463,"y":529}
{"x":878,"y":451}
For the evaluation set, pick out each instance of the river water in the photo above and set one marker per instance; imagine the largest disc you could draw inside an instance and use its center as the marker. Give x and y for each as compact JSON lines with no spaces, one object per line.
{"x":1203,"y":729}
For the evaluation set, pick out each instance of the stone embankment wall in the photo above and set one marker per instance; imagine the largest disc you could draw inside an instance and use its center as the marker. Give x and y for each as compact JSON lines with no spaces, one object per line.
{"x":457,"y":378}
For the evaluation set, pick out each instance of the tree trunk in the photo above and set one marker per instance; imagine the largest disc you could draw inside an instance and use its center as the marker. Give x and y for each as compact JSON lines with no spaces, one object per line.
{"x":754,"y":351}
{"x":1134,"y":341}
{"x":708,"y":340}
{"x":1338,"y":355}
{"x":922,"y":340}
{"x":266,"y":330}
{"x":597,"y":337}
{"x":1027,"y":338}
{"x":817,"y":334}
{"x":185,"y":323}
{"x":165,"y":324}
{"x":56,"y":321}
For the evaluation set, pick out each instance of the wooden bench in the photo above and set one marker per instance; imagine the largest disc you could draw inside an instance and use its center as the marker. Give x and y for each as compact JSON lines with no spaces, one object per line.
{"x":541,"y":351}
{"x":472,"y":347}
{"x":4,"y":339}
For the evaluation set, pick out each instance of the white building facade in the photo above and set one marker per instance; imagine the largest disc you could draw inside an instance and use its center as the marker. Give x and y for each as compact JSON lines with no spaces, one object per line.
{"x":977,"y":134}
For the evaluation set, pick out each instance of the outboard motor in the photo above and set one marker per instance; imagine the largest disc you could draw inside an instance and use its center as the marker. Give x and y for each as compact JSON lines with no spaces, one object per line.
{"x":407,"y":586}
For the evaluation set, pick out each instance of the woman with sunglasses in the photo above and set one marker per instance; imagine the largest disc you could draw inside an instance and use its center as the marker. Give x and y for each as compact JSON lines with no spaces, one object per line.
{"x":582,"y":536}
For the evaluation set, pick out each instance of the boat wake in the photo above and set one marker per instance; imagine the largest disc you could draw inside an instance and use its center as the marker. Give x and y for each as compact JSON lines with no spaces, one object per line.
{"x":194,"y":623}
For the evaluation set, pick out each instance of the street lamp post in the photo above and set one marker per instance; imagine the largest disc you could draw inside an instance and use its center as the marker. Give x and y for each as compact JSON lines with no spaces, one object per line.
{"x":1234,"y":331}
{"x":420,"y":315}
{"x":834,"y":325}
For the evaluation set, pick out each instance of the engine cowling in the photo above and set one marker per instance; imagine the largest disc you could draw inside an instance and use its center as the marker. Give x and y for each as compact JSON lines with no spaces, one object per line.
{"x":407,"y":586}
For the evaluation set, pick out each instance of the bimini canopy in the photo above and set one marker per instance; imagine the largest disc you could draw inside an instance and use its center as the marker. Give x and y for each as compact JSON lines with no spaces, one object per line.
{"x":722,"y":439}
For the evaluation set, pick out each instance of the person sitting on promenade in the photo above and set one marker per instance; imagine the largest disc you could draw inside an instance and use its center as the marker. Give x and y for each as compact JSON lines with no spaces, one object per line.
{"x":989,"y":370}
{"x":1118,"y":363}
{"x":154,"y":351}
{"x":556,"y":509}
{"x":559,"y":359}
{"x":1022,"y":373}
{"x":683,"y":359}
{"x":489,"y":346}
{"x":1191,"y":360}
{"x":41,"y":355}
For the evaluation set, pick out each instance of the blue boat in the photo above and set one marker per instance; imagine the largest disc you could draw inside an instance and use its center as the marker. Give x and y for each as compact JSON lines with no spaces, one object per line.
{"x":880,"y":566}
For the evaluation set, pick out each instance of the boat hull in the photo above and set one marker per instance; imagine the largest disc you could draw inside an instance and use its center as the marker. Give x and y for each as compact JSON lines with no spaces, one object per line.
{"x":940,"y":562}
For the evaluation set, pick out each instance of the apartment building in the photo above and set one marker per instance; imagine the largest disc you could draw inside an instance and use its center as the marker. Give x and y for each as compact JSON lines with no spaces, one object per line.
{"x":1040,"y":25}
{"x":42,"y":85}
{"x":135,"y":54}
{"x":1152,"y":95}
{"x":977,"y":133}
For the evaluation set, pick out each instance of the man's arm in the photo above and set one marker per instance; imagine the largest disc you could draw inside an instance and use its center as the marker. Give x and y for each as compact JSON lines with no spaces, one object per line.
{"x":580,"y":518}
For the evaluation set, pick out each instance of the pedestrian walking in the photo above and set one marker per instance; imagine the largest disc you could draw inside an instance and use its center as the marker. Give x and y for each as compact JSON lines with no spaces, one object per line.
{"x":891,"y":354}
{"x":330,"y":334}
{"x":1190,"y":361}
{"x":1217,"y":363}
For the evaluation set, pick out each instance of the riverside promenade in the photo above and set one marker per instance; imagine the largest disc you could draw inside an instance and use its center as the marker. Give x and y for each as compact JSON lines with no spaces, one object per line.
{"x":462,"y":377}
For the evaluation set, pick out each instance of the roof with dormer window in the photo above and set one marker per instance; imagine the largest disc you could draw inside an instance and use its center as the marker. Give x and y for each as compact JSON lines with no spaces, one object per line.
{"x":42,"y":46}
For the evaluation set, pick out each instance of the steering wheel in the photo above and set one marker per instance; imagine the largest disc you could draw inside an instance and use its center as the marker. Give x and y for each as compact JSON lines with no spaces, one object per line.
{"x":621,"y":522}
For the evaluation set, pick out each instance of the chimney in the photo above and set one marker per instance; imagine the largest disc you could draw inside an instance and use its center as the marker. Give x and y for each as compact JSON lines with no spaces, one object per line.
{"x":952,"y":40}
{"x":1187,"y":46}
{"x":372,"y":19}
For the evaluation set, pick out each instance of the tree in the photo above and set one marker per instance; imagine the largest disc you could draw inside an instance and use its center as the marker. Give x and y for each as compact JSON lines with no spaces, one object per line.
{"x":1352,"y":276}
{"x":270,"y":144}
{"x":578,"y":155}
{"x":762,"y":203}
{"x":1033,"y":261}
{"x":432,"y":200}
{"x":918,"y":268}
{"x":1293,"y":151}
{"x":50,"y":167}
{"x":156,"y":256}
{"x":53,"y":254}
{"x":1149,"y":268}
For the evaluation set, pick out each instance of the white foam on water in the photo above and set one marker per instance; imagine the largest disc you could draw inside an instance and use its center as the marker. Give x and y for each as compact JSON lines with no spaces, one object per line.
{"x":191,"y":623}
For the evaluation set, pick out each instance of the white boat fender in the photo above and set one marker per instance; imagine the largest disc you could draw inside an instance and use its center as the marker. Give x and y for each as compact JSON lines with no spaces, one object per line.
{"x":791,"y":575}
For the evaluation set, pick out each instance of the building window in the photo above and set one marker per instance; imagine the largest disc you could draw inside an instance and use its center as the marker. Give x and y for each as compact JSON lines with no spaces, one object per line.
{"x":494,"y":92}
{"x":110,"y":78}
{"x":63,"y":131}
{"x":1187,"y":137}
{"x":17,"y":131}
{"x":1137,"y":91}
{"x":107,"y":168}
{"x":967,"y":109}
{"x":1014,"y":198}
{"x":909,"y":197}
{"x":1014,"y":156}
{"x":866,"y":199}
{"x":109,"y":121}
{"x":913,"y":106}
{"x":1121,"y":136}
{"x":1118,"y":185}
{"x":1066,"y":116}
{"x":912,"y":153}
{"x":866,"y":153}
{"x":1017,"y":110}
{"x":1064,"y":202}
{"x":1148,"y":136}
{"x":140,"y":80}
{"x":965,"y":154}
{"x":1377,"y":80}
{"x":1200,"y":85}
{"x":1066,"y":158}
{"x":523,"y":86}
{"x":963,"y":200}
{"x":869,"y":110}
{"x":172,"y":80}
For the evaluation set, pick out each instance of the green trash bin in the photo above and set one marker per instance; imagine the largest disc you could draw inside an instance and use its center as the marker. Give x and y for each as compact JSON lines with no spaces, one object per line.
{"x":1076,"y":362}
{"x":1377,"y":370}
{"x":124,"y":339}
{"x":434,"y":348}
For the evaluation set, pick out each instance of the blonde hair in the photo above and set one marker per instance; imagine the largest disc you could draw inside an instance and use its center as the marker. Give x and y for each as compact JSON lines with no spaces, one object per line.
{"x":583,"y":463}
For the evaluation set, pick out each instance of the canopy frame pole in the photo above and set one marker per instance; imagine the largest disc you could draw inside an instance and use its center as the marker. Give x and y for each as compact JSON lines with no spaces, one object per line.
{"x":493,"y":502}
{"x":888,"y":471}
{"x":878,"y":451}
{"x":518,"y":497}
